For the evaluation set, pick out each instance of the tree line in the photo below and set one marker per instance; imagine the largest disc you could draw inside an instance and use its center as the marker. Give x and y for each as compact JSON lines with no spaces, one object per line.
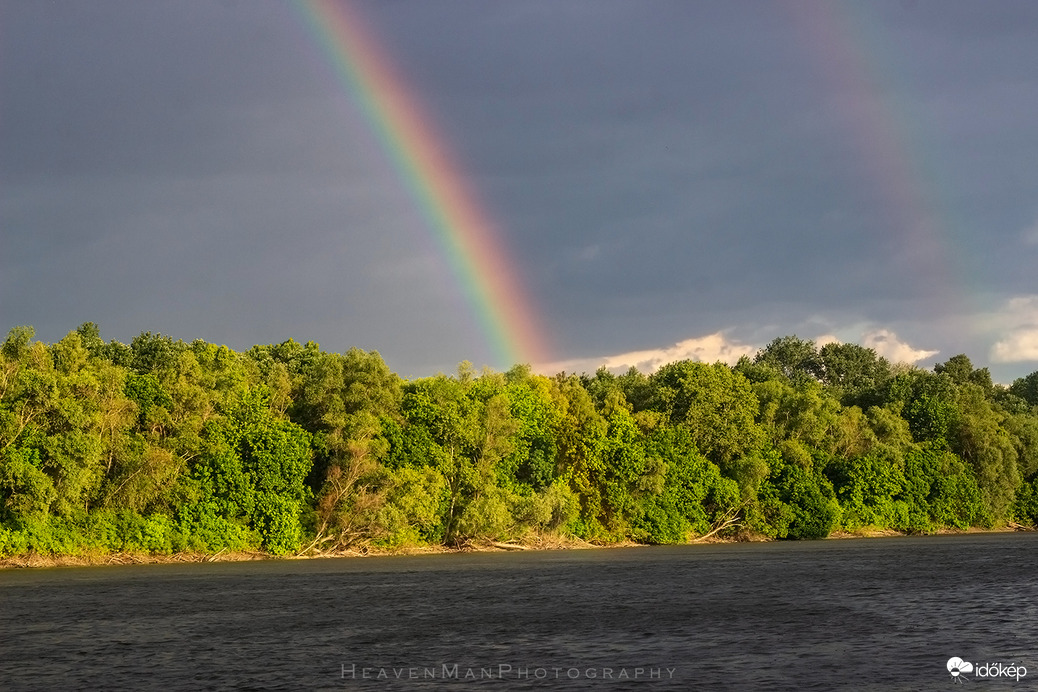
{"x":163,"y":446}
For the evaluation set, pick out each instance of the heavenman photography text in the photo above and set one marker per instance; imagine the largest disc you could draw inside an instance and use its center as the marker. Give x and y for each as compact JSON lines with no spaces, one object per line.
{"x":505,"y":671}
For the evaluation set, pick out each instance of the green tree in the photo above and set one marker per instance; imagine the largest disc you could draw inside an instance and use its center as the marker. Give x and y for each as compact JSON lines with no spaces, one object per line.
{"x":794,"y":358}
{"x":253,"y":472}
{"x":695,"y":498}
{"x":979,"y":438}
{"x":870,"y":490}
{"x":344,"y":402}
{"x":531,"y":464}
{"x":17,"y":343}
{"x":799,"y":503}
{"x":854,"y":374}
{"x":959,"y":369}
{"x":580,"y":434}
{"x":805,"y":413}
{"x":716,"y":405}
{"x":1026,"y":388}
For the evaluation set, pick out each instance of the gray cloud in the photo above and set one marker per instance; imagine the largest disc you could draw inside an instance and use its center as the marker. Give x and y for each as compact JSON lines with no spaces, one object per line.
{"x":661,"y":173}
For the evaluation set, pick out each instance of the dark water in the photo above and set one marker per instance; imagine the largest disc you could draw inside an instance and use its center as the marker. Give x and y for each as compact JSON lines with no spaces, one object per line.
{"x":883,"y":614}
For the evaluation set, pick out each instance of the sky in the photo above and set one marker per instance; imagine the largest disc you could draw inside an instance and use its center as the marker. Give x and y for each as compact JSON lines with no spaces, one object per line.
{"x":660,"y":180}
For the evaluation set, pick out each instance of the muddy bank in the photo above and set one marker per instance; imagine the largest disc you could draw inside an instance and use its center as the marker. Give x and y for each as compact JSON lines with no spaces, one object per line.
{"x":530,"y":543}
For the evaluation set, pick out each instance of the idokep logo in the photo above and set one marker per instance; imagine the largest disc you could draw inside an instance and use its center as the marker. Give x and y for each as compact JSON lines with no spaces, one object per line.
{"x":956,"y":666}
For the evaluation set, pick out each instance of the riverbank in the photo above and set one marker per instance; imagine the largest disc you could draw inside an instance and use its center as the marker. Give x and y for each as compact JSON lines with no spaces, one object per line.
{"x":35,"y":560}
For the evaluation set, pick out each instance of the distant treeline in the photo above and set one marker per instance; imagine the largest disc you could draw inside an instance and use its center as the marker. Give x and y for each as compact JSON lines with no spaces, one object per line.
{"x":163,"y":446}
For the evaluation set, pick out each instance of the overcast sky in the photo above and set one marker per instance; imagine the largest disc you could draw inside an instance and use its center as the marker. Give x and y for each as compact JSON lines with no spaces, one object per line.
{"x":672,"y":179}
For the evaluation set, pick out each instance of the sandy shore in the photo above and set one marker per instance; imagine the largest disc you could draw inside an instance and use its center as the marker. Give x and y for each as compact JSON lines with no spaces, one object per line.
{"x":530,"y":543}
{"x":101,"y":559}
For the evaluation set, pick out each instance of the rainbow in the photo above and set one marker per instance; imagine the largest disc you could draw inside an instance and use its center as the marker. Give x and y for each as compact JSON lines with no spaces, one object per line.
{"x":858,"y":61}
{"x":464,"y":233}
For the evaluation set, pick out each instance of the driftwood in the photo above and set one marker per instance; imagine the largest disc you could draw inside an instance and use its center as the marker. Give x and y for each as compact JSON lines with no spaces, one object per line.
{"x":508,"y":546}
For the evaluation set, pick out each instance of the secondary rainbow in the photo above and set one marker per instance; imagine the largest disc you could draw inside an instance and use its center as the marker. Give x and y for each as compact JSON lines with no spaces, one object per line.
{"x":465,"y":234}
{"x":860,"y":62}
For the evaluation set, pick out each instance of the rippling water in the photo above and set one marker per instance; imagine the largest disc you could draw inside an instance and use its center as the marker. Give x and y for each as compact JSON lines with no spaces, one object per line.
{"x":880,"y":614}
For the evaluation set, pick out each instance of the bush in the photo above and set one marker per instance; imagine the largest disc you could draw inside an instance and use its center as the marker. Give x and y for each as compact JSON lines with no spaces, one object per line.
{"x":488,"y":515}
{"x":25,"y":490}
{"x":276,"y":519}
{"x":201,"y":527}
{"x":554,"y":507}
{"x":12,"y":541}
{"x":869,"y":489}
{"x":797,"y":503}
{"x":44,"y":535}
{"x":940,"y":490}
{"x":1025,"y":508}
{"x":815,"y":510}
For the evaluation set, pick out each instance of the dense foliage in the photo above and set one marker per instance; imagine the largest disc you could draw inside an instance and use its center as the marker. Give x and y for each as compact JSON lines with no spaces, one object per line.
{"x":163,"y":446}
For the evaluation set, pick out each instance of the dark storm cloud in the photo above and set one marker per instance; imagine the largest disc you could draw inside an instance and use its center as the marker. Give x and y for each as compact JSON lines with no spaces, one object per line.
{"x":684,"y":164}
{"x":187,"y":170}
{"x":116,"y":88}
{"x":655,"y":155}
{"x":660,"y":170}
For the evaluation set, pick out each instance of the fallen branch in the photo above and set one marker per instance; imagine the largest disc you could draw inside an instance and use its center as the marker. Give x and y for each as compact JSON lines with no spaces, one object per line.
{"x":321,"y":539}
{"x":728,"y":520}
{"x":508,"y":546}
{"x":727,"y":525}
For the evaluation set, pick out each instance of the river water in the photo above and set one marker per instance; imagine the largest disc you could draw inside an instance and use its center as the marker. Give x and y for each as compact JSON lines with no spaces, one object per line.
{"x":861,"y":614}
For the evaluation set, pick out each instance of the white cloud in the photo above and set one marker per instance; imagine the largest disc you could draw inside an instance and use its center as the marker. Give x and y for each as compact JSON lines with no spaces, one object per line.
{"x":1019,"y":346}
{"x":886,"y":344}
{"x":1021,"y":310}
{"x":718,"y":347}
{"x":827,"y":339}
{"x":1019,"y":321}
{"x":707,"y":349}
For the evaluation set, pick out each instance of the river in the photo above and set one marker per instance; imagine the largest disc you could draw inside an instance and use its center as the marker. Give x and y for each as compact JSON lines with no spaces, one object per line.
{"x":861,"y":614}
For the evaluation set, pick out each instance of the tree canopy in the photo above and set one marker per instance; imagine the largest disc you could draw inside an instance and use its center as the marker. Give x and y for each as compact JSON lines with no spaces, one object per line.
{"x":162,"y":446}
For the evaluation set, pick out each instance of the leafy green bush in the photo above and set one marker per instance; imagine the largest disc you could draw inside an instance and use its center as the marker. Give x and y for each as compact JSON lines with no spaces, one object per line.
{"x":553,"y":507}
{"x":488,"y":515}
{"x":1025,"y":508}
{"x":411,"y":511}
{"x":693,"y":497}
{"x":811,"y":508}
{"x":940,"y":490}
{"x":25,"y":490}
{"x":869,"y":489}
{"x":202,"y":527}
{"x":276,"y":518}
